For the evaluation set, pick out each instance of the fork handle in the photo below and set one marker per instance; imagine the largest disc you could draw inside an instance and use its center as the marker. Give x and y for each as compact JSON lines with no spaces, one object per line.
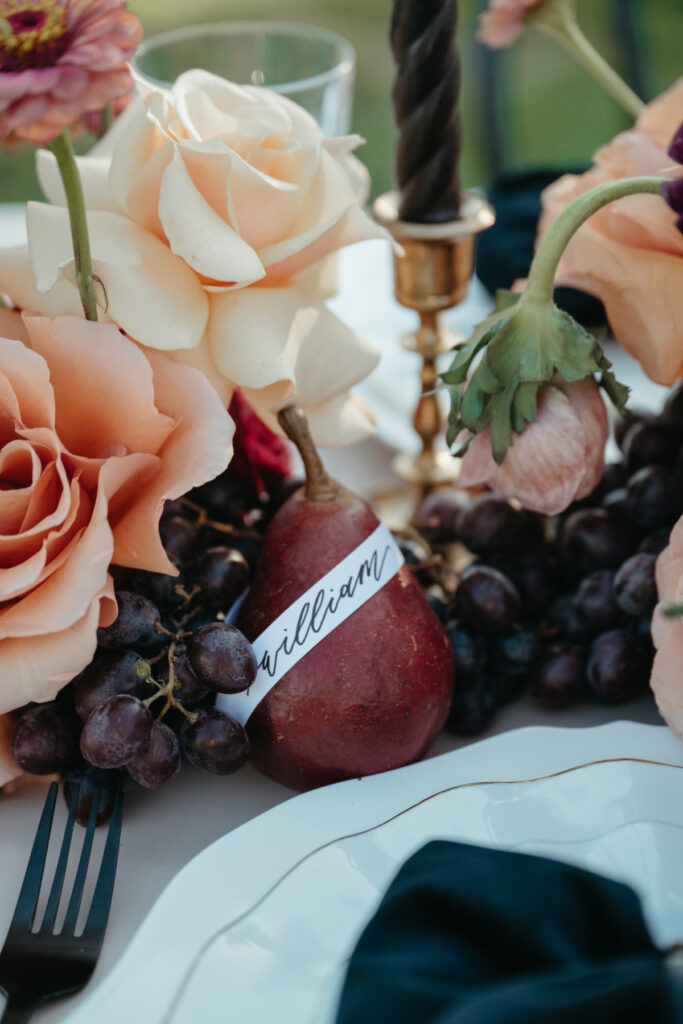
{"x":17,"y":1012}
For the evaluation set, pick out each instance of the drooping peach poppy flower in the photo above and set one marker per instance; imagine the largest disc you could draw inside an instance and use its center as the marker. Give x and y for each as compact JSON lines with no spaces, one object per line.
{"x":60,"y":59}
{"x":556,"y":460}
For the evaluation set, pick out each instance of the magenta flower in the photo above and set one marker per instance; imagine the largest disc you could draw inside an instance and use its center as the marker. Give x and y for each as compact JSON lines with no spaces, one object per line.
{"x":60,"y":59}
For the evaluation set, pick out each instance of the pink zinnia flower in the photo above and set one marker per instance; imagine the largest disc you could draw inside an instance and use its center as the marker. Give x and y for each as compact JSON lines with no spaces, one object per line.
{"x":557,"y":460}
{"x":60,"y":59}
{"x":504,"y":21}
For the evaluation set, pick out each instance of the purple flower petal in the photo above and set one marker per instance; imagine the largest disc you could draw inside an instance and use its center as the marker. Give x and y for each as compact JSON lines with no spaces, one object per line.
{"x":676,"y":147}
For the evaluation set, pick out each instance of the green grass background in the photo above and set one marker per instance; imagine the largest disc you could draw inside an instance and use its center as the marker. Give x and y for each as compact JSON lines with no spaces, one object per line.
{"x":553,"y":113}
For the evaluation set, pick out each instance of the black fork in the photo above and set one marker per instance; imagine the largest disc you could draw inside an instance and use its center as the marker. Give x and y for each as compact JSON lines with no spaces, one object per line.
{"x":36,"y":967}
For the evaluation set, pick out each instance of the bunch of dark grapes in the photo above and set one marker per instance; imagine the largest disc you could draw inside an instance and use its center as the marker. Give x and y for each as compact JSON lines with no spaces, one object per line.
{"x":560,"y":607}
{"x":147,"y":698}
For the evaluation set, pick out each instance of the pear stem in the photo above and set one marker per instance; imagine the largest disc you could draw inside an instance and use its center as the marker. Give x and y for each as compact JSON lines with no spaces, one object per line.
{"x":319,"y":486}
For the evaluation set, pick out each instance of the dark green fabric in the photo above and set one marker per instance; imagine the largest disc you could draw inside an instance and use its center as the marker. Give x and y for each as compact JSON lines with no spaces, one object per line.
{"x":467,"y":935}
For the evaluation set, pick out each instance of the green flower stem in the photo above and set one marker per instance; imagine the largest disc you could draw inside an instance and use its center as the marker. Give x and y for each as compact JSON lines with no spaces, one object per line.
{"x":66,"y":161}
{"x":557,"y":19}
{"x":542,"y":272}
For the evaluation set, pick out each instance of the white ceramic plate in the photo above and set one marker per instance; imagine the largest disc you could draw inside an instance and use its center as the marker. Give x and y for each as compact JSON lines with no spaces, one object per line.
{"x":260,"y":925}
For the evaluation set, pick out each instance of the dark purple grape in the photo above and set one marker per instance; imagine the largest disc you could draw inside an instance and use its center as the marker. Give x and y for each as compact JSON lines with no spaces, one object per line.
{"x":515,"y":653}
{"x":568,"y":620}
{"x":437,"y":598}
{"x":222,"y":658}
{"x":225,"y":498}
{"x":655,"y":542}
{"x":595,"y":539}
{"x":506,"y":688}
{"x":656,"y":497}
{"x":487,"y":601}
{"x":222,"y":573}
{"x":44,"y":740}
{"x":438,"y":517}
{"x":470,"y":651}
{"x":215,"y":742}
{"x":650,"y":444}
{"x":619,"y":503}
{"x":559,"y":678}
{"x":115,"y":672}
{"x":619,"y":666}
{"x":623,"y":424}
{"x":635,"y":588}
{"x":160,"y":588}
{"x":613,"y":477}
{"x":250,"y":548}
{"x":89,"y":780}
{"x":179,"y":538}
{"x":116,"y":732}
{"x":135,"y":627}
{"x":492,"y":526}
{"x":672,"y":413}
{"x":187,"y":688}
{"x":160,"y":762}
{"x":416,"y":552}
{"x":536,"y":574}
{"x":282,"y":490}
{"x":596,"y":602}
{"x":474,"y":704}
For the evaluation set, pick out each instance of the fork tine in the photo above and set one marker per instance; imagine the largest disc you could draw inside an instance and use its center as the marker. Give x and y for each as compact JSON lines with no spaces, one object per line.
{"x":82,"y":871}
{"x":101,"y":901}
{"x":58,"y":882}
{"x":30,"y":888}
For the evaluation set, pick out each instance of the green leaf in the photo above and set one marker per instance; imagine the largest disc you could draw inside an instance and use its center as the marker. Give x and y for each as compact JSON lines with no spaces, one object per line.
{"x":458,"y":370}
{"x":501,"y":428}
{"x":524,"y":405}
{"x":473,"y":402}
{"x":504,"y":299}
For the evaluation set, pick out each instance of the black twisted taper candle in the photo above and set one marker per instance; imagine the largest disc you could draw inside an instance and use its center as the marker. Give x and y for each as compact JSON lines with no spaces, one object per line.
{"x":425,"y":107}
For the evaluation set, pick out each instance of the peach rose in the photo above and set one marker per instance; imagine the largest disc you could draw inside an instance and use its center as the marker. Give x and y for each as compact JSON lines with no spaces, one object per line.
{"x":95,"y":436}
{"x":206,"y":204}
{"x":630,"y":253}
{"x":667,"y":633}
{"x":558,"y":459}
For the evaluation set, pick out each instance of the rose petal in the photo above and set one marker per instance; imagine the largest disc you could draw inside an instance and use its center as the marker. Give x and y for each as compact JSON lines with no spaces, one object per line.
{"x":30,"y":379}
{"x":119,"y":408}
{"x":93,"y":172}
{"x":198,"y":450}
{"x":18,"y":280}
{"x":300,"y":341}
{"x":40,"y":666}
{"x":151,"y":293}
{"x":198,"y":235}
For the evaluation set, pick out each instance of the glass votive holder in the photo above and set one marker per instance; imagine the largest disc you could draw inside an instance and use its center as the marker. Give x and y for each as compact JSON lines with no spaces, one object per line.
{"x":310,"y":65}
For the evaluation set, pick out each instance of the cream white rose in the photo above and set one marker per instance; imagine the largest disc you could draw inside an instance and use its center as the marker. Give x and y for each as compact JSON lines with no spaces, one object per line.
{"x":206,"y":203}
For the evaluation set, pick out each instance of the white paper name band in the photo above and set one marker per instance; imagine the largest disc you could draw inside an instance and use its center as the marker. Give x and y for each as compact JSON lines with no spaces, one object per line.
{"x":314,"y":615}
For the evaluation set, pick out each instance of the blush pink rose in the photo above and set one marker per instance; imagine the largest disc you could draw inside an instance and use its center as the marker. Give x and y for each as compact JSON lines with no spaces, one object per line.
{"x":556,"y":460}
{"x":211,"y":209}
{"x":630,"y":253}
{"x":94,"y":436}
{"x":667,"y":633}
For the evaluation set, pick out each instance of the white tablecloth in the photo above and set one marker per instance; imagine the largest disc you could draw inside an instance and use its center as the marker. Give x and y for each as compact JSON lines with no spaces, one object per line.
{"x":163,"y":830}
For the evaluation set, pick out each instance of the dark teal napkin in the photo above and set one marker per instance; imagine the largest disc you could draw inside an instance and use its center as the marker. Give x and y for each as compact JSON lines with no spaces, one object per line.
{"x":467,"y":935}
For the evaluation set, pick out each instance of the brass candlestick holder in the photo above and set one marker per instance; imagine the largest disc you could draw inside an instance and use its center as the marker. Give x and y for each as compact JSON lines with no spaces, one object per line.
{"x":431,"y":277}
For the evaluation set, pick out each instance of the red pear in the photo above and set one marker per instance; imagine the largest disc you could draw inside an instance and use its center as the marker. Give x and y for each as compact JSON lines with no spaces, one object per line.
{"x":375,"y":692}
